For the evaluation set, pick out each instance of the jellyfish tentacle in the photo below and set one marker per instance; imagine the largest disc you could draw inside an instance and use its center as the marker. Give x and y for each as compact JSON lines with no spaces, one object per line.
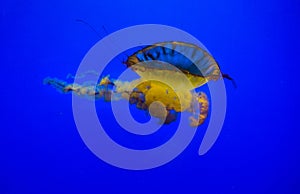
{"x":103,"y":89}
{"x":198,"y":118}
{"x":56,"y":83}
{"x":227,"y":76}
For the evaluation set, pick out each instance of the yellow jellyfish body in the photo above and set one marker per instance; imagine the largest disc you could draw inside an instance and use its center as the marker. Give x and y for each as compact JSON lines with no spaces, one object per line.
{"x":196,"y":64}
{"x":159,"y":91}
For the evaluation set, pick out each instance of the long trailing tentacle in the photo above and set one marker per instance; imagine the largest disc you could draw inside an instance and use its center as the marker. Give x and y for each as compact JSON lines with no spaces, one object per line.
{"x":102,"y":89}
{"x":56,"y":83}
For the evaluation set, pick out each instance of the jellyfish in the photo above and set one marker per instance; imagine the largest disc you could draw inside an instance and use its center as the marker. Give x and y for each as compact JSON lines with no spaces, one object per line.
{"x":169,"y":72}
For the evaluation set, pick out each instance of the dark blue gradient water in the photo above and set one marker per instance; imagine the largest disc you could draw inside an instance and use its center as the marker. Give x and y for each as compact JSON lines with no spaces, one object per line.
{"x":256,"y":42}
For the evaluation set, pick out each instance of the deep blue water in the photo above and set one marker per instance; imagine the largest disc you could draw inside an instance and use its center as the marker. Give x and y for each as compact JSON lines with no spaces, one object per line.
{"x":256,"y":42}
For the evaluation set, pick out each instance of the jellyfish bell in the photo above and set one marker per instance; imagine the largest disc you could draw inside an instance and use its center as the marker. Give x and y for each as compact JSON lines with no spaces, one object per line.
{"x":197,"y":64}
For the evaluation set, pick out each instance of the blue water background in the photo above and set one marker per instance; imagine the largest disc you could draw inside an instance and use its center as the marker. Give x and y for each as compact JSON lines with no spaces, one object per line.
{"x":256,"y":42}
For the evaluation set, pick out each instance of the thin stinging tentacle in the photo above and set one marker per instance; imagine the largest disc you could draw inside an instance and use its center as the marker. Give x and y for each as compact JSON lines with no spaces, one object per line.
{"x":199,"y":118}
